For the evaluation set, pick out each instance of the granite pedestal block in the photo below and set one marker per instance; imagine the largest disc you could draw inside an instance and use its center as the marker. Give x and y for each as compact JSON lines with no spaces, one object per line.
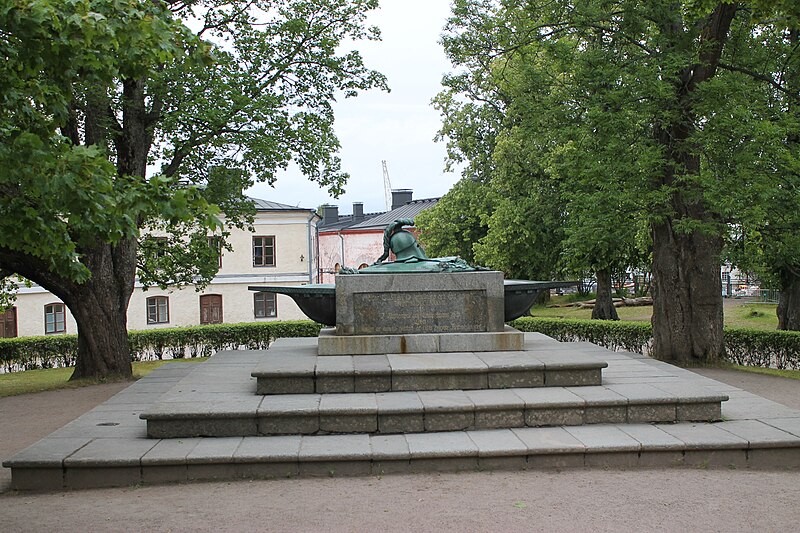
{"x":507,"y":340}
{"x":391,"y":304}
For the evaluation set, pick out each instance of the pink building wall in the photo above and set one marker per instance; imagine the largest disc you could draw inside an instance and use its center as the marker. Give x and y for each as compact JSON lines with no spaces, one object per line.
{"x":351,"y":248}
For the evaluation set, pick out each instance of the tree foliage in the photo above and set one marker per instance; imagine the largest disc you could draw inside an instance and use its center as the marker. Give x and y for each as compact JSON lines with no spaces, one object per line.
{"x":457,"y":221}
{"x":642,"y":113}
{"x":127,"y":118}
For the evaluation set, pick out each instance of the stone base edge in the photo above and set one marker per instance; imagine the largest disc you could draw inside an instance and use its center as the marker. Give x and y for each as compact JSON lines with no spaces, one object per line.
{"x":104,"y":475}
{"x":509,"y":339}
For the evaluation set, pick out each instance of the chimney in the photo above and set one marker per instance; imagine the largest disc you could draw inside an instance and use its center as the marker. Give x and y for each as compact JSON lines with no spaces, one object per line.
{"x":401,"y":197}
{"x":358,"y":211}
{"x":330,"y":214}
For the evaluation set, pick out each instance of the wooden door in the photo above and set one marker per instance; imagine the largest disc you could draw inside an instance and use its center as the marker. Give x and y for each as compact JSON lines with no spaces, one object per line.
{"x":8,"y":323}
{"x":211,"y":309}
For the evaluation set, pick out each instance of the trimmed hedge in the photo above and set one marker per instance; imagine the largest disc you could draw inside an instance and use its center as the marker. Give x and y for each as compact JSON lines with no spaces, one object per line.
{"x":27,"y":353}
{"x":613,"y":334}
{"x":743,"y":346}
{"x":770,"y":349}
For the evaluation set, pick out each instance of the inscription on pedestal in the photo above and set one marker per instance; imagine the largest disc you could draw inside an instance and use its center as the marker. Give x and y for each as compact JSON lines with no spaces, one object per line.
{"x":420,"y":312}
{"x":437,"y":303}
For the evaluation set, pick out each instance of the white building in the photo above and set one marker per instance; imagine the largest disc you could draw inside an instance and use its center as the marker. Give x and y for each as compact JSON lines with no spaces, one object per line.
{"x":281,"y":251}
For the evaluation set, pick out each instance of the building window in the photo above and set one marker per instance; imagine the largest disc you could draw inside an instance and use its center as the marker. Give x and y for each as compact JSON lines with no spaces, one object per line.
{"x":264,"y":251}
{"x":215,"y":243}
{"x":8,"y":323}
{"x":265,"y":305}
{"x":55,"y":319}
{"x":211,"y":309}
{"x":158,"y":310}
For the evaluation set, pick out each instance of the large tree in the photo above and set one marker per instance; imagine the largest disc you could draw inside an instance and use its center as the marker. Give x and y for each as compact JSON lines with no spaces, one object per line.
{"x":582,"y":150}
{"x":664,"y":68}
{"x":770,"y":136}
{"x":502,"y":214}
{"x":124,"y":118}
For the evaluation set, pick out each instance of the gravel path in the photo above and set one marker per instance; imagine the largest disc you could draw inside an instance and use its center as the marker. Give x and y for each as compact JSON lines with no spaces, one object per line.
{"x":571,"y":500}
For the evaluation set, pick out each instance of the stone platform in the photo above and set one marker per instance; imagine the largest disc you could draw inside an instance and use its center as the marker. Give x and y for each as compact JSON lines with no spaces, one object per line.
{"x":400,"y":343}
{"x":109,"y":446}
{"x":401,"y":393}
{"x":292,"y":366}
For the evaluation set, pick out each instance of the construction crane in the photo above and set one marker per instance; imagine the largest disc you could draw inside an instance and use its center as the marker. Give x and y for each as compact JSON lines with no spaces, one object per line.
{"x":387,"y":186}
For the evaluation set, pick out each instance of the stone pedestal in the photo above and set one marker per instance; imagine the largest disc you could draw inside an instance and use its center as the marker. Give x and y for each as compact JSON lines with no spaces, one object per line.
{"x":392,"y":304}
{"x":507,"y":340}
{"x":419,"y":313}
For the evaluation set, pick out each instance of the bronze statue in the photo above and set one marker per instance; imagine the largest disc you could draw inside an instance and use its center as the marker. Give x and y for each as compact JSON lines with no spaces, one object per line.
{"x":409,"y":255}
{"x":318,"y":301}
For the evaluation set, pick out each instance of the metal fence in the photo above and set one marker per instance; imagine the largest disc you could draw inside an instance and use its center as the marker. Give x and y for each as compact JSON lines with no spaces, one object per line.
{"x":767,"y":296}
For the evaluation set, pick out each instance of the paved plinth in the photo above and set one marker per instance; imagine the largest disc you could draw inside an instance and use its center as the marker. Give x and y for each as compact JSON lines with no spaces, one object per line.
{"x":291,"y":366}
{"x":329,"y":343}
{"x":108,"y":446}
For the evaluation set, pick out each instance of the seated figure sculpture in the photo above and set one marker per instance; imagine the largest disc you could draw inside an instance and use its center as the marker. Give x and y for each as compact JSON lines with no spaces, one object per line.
{"x":409,"y":255}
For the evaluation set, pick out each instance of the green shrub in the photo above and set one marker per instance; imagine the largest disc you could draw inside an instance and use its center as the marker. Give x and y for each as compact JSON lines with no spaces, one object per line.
{"x":612,"y":334}
{"x":27,"y":353}
{"x":743,"y":346}
{"x":769,"y":349}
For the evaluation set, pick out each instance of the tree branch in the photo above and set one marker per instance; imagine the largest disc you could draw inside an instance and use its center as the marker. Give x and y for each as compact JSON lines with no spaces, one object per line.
{"x":712,"y":41}
{"x":70,"y":129}
{"x":34,"y":269}
{"x":756,"y":76}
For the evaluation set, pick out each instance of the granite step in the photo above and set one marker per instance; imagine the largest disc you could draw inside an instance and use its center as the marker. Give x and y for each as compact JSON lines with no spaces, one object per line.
{"x":80,"y":463}
{"x":109,"y":446}
{"x":200,"y":414}
{"x":295,"y":368}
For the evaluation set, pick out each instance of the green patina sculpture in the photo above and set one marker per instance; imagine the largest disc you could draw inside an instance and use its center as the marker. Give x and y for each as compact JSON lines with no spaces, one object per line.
{"x":318,"y":301}
{"x":409,"y":255}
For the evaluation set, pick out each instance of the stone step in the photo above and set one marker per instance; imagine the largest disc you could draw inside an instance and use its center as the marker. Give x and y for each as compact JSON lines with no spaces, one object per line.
{"x":295,"y":368}
{"x":109,"y":446}
{"x":79,"y":463}
{"x":192,"y":414}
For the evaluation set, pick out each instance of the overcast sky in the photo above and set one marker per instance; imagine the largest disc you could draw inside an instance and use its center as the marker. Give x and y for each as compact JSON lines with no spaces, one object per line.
{"x":398,"y":127}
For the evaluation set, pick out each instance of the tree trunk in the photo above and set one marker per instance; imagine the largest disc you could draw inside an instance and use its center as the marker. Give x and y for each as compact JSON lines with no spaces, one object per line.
{"x":789,"y":302}
{"x":543,"y":298}
{"x":604,"y":304}
{"x":103,"y":349}
{"x":687,"y":296}
{"x":100,"y":307}
{"x":687,"y":289}
{"x":99,"y":304}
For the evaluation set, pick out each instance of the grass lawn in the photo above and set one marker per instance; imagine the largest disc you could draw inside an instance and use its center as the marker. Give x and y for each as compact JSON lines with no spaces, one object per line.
{"x":791,"y":374}
{"x":14,"y":383}
{"x":737,"y":313}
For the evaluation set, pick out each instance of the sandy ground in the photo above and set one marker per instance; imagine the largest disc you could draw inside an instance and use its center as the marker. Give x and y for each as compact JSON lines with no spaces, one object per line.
{"x":571,"y":500}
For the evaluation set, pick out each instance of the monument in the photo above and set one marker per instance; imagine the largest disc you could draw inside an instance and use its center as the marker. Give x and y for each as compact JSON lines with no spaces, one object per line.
{"x":427,"y":377}
{"x":416,"y":304}
{"x":415,"y":346}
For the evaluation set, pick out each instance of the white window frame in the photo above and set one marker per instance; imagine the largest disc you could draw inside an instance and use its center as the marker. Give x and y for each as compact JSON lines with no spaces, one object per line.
{"x":265,"y":304}
{"x":158,"y":310}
